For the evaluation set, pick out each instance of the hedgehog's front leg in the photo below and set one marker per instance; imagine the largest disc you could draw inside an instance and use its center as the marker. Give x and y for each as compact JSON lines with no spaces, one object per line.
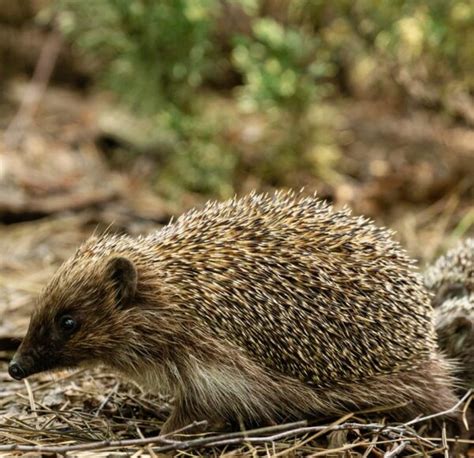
{"x":219,"y":394}
{"x":183,"y":415}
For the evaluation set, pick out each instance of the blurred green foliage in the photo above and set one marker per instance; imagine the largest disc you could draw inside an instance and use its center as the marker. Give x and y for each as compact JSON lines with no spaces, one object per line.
{"x":282,"y":67}
{"x":152,"y":52}
{"x":201,"y":162}
{"x":287,"y":61}
{"x":430,"y":44}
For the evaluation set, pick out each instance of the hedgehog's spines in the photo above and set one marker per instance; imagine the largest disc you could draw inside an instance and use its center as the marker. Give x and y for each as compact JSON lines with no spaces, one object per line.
{"x":212,"y":229}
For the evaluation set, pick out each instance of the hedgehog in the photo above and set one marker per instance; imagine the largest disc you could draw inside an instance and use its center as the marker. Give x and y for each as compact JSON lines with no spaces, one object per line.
{"x":452,"y":274}
{"x":451,"y":281}
{"x":250,"y":311}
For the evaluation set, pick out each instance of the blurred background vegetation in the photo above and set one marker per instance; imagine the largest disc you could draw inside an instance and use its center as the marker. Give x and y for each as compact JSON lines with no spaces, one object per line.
{"x":369,"y":102}
{"x":287,"y":61}
{"x":117,"y":115}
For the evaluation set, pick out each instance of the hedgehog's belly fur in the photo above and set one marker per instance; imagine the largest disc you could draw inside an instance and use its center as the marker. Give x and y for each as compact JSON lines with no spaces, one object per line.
{"x":238,"y":389}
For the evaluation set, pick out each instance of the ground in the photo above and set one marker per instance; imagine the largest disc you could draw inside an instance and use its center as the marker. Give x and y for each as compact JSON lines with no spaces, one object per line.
{"x":412,"y":172}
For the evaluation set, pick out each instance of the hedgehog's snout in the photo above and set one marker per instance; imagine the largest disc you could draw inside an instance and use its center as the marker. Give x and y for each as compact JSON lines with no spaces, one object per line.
{"x":21,"y":366}
{"x":16,"y":371}
{"x":24,"y":363}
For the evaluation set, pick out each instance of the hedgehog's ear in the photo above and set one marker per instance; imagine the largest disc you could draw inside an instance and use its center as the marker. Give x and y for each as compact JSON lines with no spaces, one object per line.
{"x":122,"y":273}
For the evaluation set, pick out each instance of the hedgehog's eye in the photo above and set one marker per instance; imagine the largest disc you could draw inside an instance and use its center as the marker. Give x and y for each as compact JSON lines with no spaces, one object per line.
{"x":67,"y":324}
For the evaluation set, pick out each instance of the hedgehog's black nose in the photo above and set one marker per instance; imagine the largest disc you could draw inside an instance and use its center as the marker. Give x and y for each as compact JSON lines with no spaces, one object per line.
{"x":16,"y":371}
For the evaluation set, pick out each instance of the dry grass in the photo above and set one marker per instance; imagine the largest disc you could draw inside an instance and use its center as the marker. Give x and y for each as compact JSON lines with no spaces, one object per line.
{"x":86,"y":412}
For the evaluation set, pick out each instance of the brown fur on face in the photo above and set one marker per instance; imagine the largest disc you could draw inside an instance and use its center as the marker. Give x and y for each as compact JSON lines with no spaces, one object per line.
{"x":257,"y":309}
{"x":95,"y":299}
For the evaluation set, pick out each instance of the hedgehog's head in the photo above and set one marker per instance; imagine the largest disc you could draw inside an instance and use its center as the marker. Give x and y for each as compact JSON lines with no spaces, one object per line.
{"x":80,"y":317}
